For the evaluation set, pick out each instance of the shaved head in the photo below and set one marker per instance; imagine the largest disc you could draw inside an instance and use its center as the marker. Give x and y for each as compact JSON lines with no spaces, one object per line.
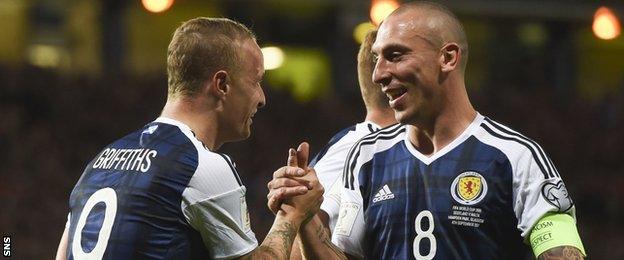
{"x":437,"y":23}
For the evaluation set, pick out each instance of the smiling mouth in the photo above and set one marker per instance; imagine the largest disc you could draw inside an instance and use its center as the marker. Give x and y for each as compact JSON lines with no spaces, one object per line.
{"x":393,"y":94}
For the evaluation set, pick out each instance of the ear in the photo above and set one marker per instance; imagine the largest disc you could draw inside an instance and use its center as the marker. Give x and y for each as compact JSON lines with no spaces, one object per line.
{"x":219,"y":85}
{"x":449,"y":57}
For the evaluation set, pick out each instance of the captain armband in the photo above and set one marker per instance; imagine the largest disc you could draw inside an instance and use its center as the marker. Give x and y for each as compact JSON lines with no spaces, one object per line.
{"x":554,"y":230}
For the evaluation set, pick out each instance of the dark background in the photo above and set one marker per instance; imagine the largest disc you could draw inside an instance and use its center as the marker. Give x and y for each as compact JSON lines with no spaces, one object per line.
{"x":534,"y":65}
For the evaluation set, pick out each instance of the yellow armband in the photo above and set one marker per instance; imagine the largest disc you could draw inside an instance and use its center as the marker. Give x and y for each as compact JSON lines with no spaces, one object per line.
{"x":555,"y":230}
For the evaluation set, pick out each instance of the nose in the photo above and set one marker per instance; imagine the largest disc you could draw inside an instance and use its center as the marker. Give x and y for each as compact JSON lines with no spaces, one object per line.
{"x":262,"y":101}
{"x":381,"y":74}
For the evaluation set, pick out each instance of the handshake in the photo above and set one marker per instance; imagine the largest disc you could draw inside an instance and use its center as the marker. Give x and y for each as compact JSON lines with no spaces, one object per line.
{"x":295,"y":189}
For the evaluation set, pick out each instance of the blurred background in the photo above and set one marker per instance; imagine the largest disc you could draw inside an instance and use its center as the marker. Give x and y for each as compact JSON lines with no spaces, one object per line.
{"x":77,"y":74}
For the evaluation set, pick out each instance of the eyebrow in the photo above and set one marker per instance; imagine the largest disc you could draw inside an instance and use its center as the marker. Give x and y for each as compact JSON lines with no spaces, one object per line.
{"x":391,"y":46}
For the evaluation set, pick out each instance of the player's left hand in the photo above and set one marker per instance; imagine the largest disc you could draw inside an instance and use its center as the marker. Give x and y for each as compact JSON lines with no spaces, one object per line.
{"x":289,"y":181}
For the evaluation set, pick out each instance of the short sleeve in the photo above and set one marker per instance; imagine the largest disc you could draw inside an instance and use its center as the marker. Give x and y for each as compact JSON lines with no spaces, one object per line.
{"x":223,"y":222}
{"x":214,"y":204}
{"x":329,"y":170}
{"x":348,"y":234}
{"x":538,"y":189}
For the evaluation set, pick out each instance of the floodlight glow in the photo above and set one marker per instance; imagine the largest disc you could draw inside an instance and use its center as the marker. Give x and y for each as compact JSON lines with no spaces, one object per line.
{"x":380,"y":9}
{"x":606,"y":25}
{"x":361,"y":30}
{"x":45,"y":56}
{"x":273,"y":57}
{"x":157,"y":6}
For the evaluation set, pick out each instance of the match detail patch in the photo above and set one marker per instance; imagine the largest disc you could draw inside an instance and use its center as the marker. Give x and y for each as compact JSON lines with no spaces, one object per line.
{"x":346,"y":218}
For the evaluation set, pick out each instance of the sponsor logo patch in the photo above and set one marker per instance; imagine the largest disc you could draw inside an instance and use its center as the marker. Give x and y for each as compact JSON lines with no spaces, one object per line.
{"x":469,"y":188}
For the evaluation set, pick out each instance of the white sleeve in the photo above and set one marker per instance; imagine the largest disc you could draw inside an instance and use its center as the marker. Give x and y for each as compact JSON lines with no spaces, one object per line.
{"x":537,"y":193}
{"x":214,"y":204}
{"x":329,"y":171}
{"x":348,"y":235}
{"x":331,"y":203}
{"x":350,"y":227}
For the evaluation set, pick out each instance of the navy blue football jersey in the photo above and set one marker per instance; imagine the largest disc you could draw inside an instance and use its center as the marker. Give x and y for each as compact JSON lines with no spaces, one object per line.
{"x":158,"y":193}
{"x":477,"y":198}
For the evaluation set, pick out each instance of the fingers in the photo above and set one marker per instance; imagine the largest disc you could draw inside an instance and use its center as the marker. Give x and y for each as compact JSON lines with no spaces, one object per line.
{"x":287,"y":182}
{"x":273,"y":203}
{"x":289,"y":172}
{"x":303,"y":154}
{"x":292,"y":158}
{"x":277,"y":196}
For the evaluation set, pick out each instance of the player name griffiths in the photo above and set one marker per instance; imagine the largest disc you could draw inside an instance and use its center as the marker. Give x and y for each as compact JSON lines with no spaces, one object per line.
{"x":125,"y":159}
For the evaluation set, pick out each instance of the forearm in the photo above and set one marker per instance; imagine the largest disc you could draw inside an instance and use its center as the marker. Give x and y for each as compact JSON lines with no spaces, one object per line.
{"x":316,"y":241}
{"x":562,"y":253}
{"x":61,"y":252}
{"x":279,"y":241}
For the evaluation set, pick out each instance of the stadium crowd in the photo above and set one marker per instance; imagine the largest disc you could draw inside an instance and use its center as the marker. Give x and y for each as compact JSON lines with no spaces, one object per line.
{"x":53,"y":124}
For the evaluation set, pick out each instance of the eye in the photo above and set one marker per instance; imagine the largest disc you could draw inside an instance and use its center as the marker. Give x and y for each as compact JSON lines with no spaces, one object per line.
{"x":394,"y":56}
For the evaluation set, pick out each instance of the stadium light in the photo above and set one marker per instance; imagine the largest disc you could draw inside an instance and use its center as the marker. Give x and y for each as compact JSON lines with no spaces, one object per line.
{"x":273,"y":57}
{"x":380,"y":9}
{"x":157,"y":6}
{"x":606,"y":25}
{"x":44,"y":56}
{"x":361,"y":30}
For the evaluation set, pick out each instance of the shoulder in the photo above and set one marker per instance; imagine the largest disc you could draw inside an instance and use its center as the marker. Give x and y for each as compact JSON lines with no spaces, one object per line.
{"x":365,"y":149}
{"x":341,"y":141}
{"x":377,"y":142}
{"x":519,"y":149}
{"x":210,"y":173}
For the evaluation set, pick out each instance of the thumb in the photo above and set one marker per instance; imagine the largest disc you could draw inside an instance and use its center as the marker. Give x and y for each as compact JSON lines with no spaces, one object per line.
{"x":303,"y":153}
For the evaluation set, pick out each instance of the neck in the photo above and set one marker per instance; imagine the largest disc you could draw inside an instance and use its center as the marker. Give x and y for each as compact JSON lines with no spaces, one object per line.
{"x":382,"y":117}
{"x":194,"y":113}
{"x":430,"y":135}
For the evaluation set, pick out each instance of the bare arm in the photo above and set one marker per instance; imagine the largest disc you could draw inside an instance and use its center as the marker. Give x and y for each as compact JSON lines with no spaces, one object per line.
{"x":316,"y":241}
{"x":61,"y":252}
{"x":279,"y":241}
{"x":313,"y":238}
{"x":561,"y":253}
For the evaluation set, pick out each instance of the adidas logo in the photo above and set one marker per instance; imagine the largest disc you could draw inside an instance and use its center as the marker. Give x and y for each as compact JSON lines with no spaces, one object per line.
{"x":383,"y":194}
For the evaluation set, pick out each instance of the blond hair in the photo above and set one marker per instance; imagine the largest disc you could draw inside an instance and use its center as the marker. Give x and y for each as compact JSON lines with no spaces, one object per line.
{"x":371,"y":92}
{"x":199,"y":48}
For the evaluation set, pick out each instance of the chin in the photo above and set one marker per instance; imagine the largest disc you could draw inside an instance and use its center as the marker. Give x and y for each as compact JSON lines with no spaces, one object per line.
{"x":404,"y":117}
{"x":246,"y":133}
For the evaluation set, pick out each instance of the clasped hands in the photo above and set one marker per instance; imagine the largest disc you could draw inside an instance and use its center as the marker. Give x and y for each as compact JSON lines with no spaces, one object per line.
{"x":295,"y":188}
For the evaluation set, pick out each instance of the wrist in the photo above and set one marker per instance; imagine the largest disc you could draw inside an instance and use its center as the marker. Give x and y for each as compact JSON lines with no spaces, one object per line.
{"x":292,"y":217}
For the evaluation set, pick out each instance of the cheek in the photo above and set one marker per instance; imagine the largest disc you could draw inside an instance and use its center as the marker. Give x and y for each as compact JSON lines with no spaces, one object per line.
{"x":408,"y":73}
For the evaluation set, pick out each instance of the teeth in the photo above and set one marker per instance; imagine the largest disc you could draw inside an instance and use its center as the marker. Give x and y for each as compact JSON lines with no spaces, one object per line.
{"x":395,"y":93}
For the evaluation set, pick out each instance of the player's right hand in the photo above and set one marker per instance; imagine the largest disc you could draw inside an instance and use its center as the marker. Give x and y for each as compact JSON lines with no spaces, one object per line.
{"x":308,"y":204}
{"x":288,"y":181}
{"x":285,"y":185}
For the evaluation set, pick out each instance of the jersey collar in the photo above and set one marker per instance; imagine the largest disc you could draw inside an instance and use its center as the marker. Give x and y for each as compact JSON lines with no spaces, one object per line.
{"x":457,"y":141}
{"x":170,"y":121}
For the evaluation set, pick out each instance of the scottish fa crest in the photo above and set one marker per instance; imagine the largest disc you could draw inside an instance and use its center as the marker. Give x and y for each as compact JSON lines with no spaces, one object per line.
{"x":469,"y":188}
